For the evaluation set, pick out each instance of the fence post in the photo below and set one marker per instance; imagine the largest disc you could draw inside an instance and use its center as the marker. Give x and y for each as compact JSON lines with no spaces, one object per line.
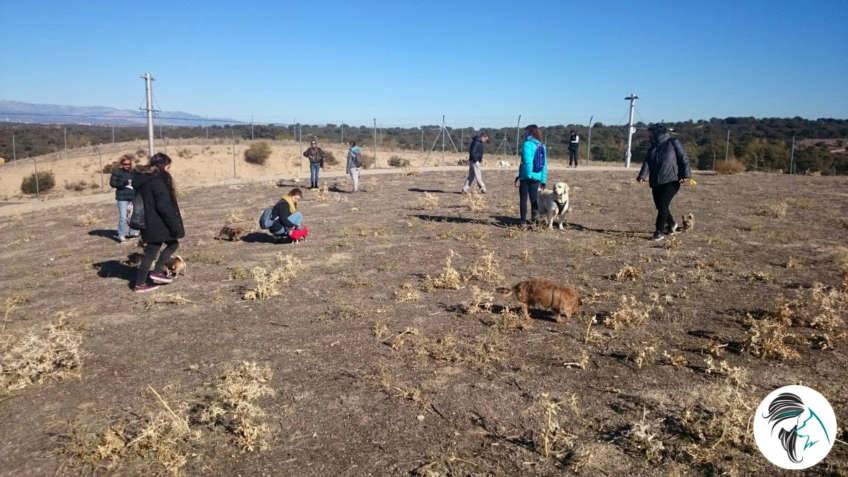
{"x":35,"y":168}
{"x":233,"y":136}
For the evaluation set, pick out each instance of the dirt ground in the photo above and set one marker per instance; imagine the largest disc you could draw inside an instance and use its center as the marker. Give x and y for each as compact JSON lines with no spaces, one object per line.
{"x":378,"y":370}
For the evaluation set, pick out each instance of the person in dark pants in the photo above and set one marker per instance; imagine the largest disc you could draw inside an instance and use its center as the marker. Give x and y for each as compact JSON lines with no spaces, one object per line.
{"x":665,"y":167}
{"x":121,"y":181}
{"x":316,"y":163}
{"x":163,"y":223}
{"x":475,"y":158}
{"x":532,"y":173}
{"x":573,"y":146}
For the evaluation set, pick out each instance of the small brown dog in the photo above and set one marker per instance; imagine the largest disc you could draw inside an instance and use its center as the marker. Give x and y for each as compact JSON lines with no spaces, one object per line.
{"x":176,"y":266}
{"x":538,"y":293}
{"x":688,"y":222}
{"x":231,"y":232}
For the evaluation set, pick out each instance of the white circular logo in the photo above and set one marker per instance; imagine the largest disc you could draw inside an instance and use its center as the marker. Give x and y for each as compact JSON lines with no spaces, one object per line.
{"x":795,"y":427}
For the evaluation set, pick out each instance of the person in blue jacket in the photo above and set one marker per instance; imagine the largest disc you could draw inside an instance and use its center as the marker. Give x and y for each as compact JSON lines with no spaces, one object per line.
{"x":532,"y":173}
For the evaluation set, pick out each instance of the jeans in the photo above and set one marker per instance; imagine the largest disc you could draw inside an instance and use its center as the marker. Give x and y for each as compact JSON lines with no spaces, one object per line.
{"x":124,"y":229}
{"x":295,"y":218}
{"x":663,"y":194}
{"x":150,"y":252}
{"x":572,"y":157}
{"x":528,"y":189}
{"x":475,"y":174}
{"x":314,"y":169}
{"x":354,"y":175}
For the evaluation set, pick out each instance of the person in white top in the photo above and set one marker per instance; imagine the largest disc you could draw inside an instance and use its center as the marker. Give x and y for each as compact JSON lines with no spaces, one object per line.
{"x":573,"y":144}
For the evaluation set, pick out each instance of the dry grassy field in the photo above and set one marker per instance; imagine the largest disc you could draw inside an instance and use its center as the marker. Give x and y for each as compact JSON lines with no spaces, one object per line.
{"x":380,"y":346}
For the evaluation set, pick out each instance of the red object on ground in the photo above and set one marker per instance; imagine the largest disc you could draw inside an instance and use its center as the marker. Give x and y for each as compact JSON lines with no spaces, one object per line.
{"x":299,"y":234}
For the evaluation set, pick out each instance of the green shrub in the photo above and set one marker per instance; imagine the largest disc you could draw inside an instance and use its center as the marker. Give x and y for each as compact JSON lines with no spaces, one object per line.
{"x":397,"y":161}
{"x":46,"y":181}
{"x":258,"y":153}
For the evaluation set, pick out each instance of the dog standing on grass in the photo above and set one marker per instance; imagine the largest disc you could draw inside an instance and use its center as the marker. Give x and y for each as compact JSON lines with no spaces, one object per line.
{"x":554,"y":204}
{"x":538,"y":293}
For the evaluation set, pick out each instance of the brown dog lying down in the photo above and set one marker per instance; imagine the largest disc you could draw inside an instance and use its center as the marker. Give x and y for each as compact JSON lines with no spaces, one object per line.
{"x":538,"y":293}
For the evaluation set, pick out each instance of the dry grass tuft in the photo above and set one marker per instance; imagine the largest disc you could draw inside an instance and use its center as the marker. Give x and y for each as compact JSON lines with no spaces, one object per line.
{"x":829,"y":306}
{"x":166,"y":299}
{"x":428,"y":201}
{"x":475,"y":202}
{"x":718,"y":423}
{"x":379,"y":329}
{"x":239,"y":273}
{"x":407,"y":293}
{"x":480,"y":300}
{"x":768,"y":337}
{"x":87,"y":219}
{"x":449,"y":278}
{"x":53,"y":354}
{"x":730,"y":166}
{"x":645,"y":355}
{"x":10,"y":305}
{"x":268,"y":283}
{"x":234,"y":218}
{"x":485,"y":269}
{"x":644,"y":436}
{"x":630,"y":312}
{"x":550,"y":439}
{"x":233,"y":405}
{"x":627,"y":274}
{"x":775,"y":210}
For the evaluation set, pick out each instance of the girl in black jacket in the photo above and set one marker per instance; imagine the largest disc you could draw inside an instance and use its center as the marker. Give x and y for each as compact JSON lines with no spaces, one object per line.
{"x":163,"y":223}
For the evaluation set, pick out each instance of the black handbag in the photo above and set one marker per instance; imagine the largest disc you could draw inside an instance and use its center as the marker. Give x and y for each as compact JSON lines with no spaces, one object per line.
{"x":137,"y":216}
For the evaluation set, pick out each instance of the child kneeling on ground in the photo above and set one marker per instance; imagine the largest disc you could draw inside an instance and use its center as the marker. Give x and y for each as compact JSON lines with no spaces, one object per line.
{"x":283,"y":220}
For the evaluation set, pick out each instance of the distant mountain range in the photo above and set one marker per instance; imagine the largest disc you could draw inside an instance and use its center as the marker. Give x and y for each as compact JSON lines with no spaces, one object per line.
{"x":19,"y":112}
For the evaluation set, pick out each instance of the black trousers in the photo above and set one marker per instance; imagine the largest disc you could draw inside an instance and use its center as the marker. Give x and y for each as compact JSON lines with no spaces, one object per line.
{"x":663,"y":194}
{"x":528,"y":189}
{"x":150,"y":252}
{"x":572,"y":157}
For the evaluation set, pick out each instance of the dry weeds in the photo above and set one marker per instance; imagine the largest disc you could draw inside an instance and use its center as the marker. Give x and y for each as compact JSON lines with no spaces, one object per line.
{"x":627,"y":274}
{"x":644,"y":436}
{"x":631,"y":312}
{"x":449,"y":278}
{"x":11,"y":304}
{"x":550,"y":439}
{"x":479,"y":300}
{"x":485,"y":269}
{"x":87,"y":219}
{"x":268,"y":283}
{"x":775,"y":210}
{"x":233,"y":405}
{"x":407,"y":293}
{"x":474,"y":201}
{"x":166,"y":299}
{"x":53,"y":354}
{"x":768,"y":337}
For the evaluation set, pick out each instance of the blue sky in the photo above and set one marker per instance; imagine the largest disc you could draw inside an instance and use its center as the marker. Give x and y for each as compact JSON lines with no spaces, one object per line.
{"x":407,"y":63}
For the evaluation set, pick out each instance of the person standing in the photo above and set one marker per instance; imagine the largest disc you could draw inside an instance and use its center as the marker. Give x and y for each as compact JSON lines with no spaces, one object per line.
{"x":121,"y":181}
{"x":665,"y":167}
{"x":573,"y":146}
{"x":475,"y":157}
{"x":163,"y":222}
{"x":532,"y":173}
{"x":316,"y":162}
{"x":354,"y":162}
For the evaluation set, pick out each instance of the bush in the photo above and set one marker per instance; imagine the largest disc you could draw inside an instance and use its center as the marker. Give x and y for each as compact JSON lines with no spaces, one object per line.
{"x":107,"y":168}
{"x":730,"y":166}
{"x":258,"y":153}
{"x":76,"y":186}
{"x":46,"y":181}
{"x":368,"y":162}
{"x":330,"y":159}
{"x":462,"y":162}
{"x":397,"y":161}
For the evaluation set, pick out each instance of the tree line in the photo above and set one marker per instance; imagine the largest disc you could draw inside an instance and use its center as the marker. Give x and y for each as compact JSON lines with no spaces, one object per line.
{"x":760,"y":144}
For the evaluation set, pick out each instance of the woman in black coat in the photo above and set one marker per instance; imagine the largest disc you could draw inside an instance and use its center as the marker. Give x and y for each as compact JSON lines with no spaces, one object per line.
{"x":163,"y":223}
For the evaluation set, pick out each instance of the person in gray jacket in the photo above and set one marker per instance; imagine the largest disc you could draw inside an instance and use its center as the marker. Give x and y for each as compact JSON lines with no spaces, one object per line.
{"x":121,"y":180}
{"x":665,"y":167}
{"x":475,"y":157}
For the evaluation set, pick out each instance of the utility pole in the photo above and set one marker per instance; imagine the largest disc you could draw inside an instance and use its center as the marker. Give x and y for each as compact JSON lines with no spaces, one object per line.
{"x":589,"y":145}
{"x":14,"y":155}
{"x":630,"y":129}
{"x":517,"y":134}
{"x":148,"y":86}
{"x":375,"y":142}
{"x":443,"y":139}
{"x":233,"y":138}
{"x":461,"y":138}
{"x":342,"y":127}
{"x":727,"y":145}
{"x":791,"y":157}
{"x":251,"y":127}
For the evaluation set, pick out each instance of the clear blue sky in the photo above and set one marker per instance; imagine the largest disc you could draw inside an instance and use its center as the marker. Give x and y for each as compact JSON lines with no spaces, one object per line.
{"x":406,"y":63}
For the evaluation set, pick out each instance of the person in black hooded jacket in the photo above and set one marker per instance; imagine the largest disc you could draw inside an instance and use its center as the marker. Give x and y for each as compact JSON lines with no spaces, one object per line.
{"x":163,"y":223}
{"x":665,"y":167}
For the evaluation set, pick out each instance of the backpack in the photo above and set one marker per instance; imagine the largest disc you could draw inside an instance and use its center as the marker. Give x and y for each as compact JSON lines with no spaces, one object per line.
{"x":539,"y":158}
{"x":137,"y":216}
{"x":267,"y":219}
